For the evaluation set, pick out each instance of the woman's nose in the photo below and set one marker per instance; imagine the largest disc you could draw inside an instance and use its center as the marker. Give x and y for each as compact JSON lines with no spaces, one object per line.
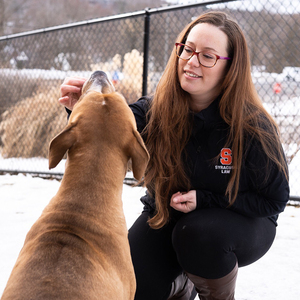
{"x":194,"y":61}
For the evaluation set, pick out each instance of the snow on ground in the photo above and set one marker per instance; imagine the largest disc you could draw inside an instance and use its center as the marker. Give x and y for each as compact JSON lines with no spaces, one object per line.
{"x":275,"y":276}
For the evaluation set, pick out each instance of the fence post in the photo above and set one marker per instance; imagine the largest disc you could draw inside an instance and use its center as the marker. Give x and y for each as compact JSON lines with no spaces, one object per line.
{"x":146,"y":51}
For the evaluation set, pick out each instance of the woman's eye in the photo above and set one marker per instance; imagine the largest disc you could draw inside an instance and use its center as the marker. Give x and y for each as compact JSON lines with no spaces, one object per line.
{"x":188,"y":50}
{"x":208,"y":56}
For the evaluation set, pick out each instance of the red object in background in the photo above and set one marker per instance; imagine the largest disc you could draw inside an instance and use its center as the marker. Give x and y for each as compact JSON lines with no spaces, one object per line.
{"x":277,"y":88}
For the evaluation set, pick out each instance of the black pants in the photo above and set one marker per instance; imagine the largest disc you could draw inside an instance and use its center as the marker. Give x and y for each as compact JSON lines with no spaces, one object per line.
{"x":207,"y":243}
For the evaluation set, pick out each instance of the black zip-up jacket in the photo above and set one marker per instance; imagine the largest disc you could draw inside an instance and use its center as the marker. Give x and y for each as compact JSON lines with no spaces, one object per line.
{"x":258,"y":197}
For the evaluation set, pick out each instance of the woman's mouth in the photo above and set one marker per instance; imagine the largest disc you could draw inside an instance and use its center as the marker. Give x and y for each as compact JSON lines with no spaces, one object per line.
{"x":191,"y":74}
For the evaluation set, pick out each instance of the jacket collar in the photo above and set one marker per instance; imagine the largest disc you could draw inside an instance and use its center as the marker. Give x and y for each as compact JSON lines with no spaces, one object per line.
{"x":209,"y":115}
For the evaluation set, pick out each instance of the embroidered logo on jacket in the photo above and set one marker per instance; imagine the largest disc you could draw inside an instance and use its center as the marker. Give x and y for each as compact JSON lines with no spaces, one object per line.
{"x":225,"y":160}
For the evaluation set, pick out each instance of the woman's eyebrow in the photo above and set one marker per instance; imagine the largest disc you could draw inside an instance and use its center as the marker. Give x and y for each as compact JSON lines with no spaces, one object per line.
{"x":209,"y":48}
{"x":191,"y":44}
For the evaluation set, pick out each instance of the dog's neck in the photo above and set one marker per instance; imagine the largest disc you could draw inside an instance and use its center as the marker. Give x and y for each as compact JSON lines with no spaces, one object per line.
{"x":97,"y":180}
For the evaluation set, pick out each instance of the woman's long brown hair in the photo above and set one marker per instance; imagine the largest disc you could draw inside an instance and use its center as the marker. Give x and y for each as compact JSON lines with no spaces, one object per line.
{"x":169,"y":129}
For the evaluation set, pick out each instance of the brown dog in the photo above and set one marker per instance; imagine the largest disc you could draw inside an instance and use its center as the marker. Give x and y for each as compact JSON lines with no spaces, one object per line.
{"x":78,"y":248}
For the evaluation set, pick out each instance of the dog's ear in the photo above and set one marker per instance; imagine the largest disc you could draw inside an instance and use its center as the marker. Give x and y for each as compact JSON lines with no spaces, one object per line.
{"x":60,"y":144}
{"x":139,"y":156}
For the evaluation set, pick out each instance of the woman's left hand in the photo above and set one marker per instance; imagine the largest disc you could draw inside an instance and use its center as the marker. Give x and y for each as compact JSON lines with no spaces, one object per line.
{"x":184,"y":202}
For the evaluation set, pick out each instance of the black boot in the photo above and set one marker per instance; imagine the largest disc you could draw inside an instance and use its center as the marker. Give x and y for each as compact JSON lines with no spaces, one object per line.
{"x":182,"y":289}
{"x":216,"y":289}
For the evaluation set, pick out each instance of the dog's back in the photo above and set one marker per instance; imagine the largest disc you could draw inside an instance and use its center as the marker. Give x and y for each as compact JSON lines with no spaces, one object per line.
{"x":78,"y":248}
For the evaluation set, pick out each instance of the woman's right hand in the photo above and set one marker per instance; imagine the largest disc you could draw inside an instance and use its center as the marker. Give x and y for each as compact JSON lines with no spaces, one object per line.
{"x":70,"y":91}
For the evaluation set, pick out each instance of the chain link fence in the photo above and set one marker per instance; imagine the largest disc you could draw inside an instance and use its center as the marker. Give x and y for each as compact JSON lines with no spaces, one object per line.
{"x":134,"y":49}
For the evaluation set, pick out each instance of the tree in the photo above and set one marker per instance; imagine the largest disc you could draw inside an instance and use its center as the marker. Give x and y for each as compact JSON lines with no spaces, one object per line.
{"x":2,"y":17}
{"x":26,"y":15}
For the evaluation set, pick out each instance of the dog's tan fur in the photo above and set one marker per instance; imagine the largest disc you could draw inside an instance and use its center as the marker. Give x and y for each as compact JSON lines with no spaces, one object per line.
{"x":78,"y":248}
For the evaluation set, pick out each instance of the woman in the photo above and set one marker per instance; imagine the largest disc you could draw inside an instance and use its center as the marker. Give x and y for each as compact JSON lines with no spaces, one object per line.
{"x":217,"y":177}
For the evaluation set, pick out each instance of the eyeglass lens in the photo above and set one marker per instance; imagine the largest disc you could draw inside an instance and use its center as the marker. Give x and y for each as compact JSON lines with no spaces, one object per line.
{"x":205,"y":58}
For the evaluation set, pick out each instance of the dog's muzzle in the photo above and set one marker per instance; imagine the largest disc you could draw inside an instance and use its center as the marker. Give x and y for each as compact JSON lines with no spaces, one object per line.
{"x":99,"y":81}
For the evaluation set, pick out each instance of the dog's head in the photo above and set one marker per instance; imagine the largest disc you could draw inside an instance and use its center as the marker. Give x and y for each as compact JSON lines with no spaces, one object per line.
{"x":101,"y":117}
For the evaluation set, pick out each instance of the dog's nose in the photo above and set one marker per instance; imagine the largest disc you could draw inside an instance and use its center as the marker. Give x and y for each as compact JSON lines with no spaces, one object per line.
{"x":101,"y":79}
{"x":100,"y":75}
